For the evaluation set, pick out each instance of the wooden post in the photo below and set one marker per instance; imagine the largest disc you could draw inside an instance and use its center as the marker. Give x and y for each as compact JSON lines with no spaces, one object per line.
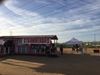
{"x":29,"y":45}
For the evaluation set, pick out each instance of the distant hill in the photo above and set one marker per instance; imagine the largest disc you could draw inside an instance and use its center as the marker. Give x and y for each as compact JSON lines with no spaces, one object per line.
{"x":73,"y":41}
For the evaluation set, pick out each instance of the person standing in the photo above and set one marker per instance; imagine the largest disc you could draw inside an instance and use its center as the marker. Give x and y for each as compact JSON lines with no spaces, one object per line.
{"x":73,"y":48}
{"x":61,"y":49}
{"x":77,"y":47}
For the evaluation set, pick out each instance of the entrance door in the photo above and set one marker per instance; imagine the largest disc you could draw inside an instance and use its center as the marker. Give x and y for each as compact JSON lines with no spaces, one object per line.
{"x":10,"y":47}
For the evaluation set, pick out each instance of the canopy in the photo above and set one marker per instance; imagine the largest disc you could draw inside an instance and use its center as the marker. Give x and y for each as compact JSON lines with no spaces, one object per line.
{"x":74,"y":41}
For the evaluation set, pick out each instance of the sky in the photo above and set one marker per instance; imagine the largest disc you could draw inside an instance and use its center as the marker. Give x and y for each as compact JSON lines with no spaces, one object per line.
{"x":64,"y":18}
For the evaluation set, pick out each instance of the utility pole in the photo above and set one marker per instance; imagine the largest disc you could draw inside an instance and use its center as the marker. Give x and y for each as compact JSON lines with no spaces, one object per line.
{"x":95,"y":40}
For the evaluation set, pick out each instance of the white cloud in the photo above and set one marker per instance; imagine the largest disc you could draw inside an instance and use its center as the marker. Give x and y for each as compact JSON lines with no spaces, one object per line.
{"x":4,"y":23}
{"x":22,"y":12}
{"x":76,"y":20}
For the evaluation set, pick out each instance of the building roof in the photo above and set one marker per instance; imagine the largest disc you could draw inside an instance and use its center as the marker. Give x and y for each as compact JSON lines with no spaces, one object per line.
{"x":54,"y":37}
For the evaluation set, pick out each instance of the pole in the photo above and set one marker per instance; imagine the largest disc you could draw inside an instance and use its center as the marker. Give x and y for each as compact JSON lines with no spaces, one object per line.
{"x":95,"y":40}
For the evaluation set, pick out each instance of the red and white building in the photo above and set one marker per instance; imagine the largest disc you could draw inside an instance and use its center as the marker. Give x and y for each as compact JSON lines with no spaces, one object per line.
{"x":35,"y":44}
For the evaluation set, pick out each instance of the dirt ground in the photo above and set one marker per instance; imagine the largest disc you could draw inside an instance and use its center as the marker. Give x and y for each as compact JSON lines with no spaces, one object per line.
{"x":67,"y":64}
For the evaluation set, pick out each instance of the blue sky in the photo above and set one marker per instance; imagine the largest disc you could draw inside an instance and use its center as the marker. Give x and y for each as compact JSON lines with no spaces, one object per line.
{"x":64,"y":18}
